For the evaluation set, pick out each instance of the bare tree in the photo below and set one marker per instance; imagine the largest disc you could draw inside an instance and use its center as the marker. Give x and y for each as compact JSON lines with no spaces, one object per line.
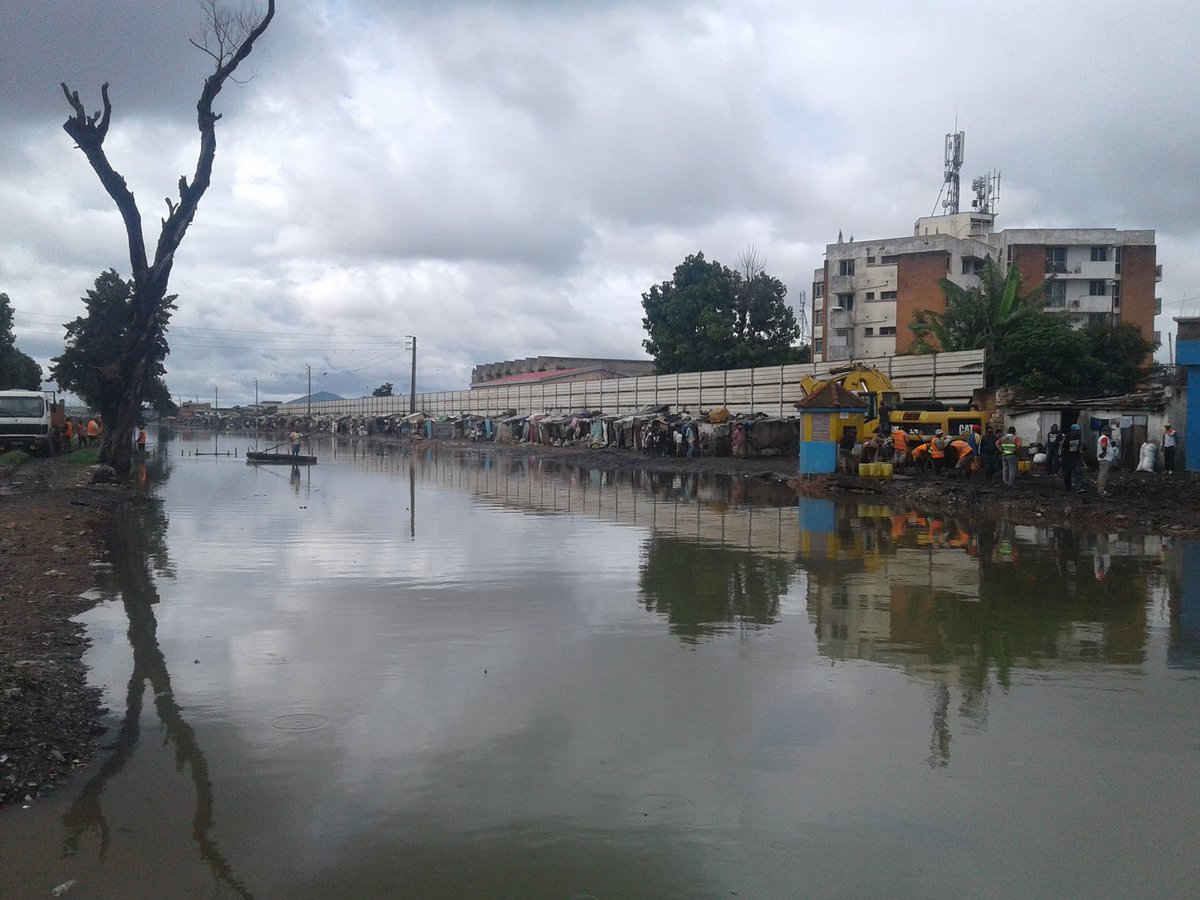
{"x":228,"y":38}
{"x":750,"y":266}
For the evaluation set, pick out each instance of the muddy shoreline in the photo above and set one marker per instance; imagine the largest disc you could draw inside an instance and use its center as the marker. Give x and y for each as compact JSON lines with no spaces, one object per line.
{"x":52,"y":525}
{"x":53,"y":521}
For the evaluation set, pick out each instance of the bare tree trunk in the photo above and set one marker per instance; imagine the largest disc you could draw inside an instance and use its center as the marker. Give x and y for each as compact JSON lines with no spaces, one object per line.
{"x":228,"y":39}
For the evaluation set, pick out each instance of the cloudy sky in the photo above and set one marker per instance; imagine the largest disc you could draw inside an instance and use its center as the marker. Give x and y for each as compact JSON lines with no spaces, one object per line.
{"x":505,"y":179}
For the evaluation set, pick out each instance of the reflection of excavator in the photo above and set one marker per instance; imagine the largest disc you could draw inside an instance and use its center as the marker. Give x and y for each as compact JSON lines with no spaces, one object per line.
{"x":923,"y":417}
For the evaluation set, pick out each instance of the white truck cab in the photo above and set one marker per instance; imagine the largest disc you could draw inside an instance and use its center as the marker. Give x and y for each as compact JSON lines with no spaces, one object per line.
{"x":26,"y":420}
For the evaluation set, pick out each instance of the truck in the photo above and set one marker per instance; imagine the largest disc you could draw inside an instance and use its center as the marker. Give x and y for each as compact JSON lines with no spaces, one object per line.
{"x":920,"y":417}
{"x":29,"y":420}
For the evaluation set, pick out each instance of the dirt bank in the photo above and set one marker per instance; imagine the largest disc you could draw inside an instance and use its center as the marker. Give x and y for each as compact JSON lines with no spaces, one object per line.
{"x":52,"y":521}
{"x":51,"y":526}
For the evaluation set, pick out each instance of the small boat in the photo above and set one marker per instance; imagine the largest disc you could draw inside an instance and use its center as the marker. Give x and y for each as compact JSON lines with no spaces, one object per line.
{"x":279,"y":459}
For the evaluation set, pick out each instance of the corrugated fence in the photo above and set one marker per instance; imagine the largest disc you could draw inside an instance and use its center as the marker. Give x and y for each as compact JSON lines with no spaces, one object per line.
{"x":773,"y":390}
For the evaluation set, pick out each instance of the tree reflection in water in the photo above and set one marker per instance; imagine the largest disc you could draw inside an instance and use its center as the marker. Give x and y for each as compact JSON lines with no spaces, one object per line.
{"x":700,"y":587}
{"x":137,"y":549}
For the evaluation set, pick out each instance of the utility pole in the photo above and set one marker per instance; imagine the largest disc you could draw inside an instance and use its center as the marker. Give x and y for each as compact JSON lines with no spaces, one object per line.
{"x":412,"y":383}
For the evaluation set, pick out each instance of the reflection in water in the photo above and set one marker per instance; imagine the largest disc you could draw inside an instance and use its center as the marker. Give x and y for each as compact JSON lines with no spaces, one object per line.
{"x":504,"y":710}
{"x":958,"y":603}
{"x":138,"y":553}
{"x":1184,"y":649}
{"x":700,"y":587}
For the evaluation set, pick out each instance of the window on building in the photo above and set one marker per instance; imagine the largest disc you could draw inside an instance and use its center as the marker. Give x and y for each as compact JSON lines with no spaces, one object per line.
{"x":870,"y":260}
{"x":819,"y":315}
{"x":889,"y":260}
{"x":845,"y":301}
{"x":887,"y":295}
{"x":1117,"y":257}
{"x":870,"y":295}
{"x":1056,"y":294}
{"x":1116,"y":295}
{"x":818,"y":289}
{"x":971,"y":265}
{"x":1099,"y":254}
{"x":845,"y":267}
{"x":1097,"y":318}
{"x":869,"y":331}
{"x":1056,"y":259}
{"x":818,"y":345}
{"x":887,"y":330}
{"x":1097,"y":287}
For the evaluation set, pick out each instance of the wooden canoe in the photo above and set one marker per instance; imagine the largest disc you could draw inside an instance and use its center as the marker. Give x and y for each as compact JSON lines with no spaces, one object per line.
{"x":279,"y":459}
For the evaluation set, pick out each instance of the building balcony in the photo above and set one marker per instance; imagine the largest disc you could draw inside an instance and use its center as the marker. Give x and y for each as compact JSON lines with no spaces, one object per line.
{"x":841,"y":284}
{"x":840,"y":318}
{"x":833,"y":353}
{"x":1091,"y":271}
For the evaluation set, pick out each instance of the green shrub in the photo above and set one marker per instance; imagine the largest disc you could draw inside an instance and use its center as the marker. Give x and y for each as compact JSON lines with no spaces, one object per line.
{"x":12,"y":459}
{"x":87,"y":456}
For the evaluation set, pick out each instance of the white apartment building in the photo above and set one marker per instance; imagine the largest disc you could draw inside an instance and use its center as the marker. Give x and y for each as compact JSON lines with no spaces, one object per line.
{"x":866,"y":294}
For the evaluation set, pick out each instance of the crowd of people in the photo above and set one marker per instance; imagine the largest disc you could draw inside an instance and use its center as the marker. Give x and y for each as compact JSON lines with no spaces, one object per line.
{"x":77,"y":432}
{"x":984,"y":453}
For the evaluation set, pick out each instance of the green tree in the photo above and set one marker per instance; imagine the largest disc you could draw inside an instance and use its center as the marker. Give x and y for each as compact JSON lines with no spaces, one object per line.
{"x":92,"y":365}
{"x":1044,"y":353}
{"x":709,"y":316}
{"x":1123,"y":354}
{"x":17,"y":370}
{"x":979,"y":318}
{"x":384,"y":390}
{"x":228,"y":39}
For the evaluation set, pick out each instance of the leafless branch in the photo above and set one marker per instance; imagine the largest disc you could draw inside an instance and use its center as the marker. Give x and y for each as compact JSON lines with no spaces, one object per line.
{"x":225,"y":29}
{"x":751,"y":264}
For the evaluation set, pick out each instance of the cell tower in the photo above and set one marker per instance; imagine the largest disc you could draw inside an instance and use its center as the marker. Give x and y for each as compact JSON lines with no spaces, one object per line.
{"x":987,"y":193}
{"x":954,"y":161}
{"x":802,"y":317}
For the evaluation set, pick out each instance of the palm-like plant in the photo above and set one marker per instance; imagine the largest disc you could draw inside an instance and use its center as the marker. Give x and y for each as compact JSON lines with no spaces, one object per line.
{"x":976,"y":318}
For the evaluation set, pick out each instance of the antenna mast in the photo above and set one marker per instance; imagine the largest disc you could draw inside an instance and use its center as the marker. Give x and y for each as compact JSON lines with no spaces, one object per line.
{"x":802,"y":317}
{"x":987,"y":193}
{"x":954,"y":161}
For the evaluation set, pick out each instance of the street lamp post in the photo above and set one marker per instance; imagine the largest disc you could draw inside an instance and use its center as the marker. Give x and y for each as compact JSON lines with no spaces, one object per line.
{"x":412,"y":383}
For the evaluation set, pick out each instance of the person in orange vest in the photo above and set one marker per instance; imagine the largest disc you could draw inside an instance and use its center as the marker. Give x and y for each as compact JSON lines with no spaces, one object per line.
{"x":964,"y":456}
{"x":899,"y":448}
{"x":920,"y":456}
{"x":141,"y":439}
{"x":93,"y":431}
{"x":937,"y":451}
{"x":68,"y":431}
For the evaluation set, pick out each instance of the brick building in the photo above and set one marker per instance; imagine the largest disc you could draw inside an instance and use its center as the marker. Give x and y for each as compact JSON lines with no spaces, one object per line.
{"x":866,"y":294}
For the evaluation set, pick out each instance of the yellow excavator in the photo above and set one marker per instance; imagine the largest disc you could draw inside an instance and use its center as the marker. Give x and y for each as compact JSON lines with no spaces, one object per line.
{"x":921,"y":417}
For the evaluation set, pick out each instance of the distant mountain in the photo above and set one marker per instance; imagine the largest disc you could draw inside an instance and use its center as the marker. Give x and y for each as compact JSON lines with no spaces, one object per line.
{"x":318,"y":397}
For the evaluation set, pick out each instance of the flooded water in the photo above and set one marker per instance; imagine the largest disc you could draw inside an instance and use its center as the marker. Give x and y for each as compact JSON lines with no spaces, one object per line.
{"x":449,"y":674}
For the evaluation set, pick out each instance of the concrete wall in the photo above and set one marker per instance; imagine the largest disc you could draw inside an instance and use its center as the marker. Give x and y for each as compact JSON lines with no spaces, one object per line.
{"x":771,"y":390}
